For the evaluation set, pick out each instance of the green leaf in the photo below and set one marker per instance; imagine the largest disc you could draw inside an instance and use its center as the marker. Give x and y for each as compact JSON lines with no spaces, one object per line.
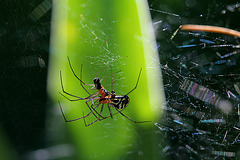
{"x":95,"y":35}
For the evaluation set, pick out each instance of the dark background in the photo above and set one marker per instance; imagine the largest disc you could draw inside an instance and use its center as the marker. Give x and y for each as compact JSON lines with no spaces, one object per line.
{"x":23,"y":79}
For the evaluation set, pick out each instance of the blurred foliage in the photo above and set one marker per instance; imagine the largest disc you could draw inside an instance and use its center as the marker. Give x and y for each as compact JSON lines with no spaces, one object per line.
{"x":6,"y":151}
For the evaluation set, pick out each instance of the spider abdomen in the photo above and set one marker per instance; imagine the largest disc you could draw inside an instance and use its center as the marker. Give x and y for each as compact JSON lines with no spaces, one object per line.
{"x":120,"y":102}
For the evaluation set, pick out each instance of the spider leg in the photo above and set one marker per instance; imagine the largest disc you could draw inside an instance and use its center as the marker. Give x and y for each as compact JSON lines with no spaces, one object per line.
{"x":128,"y":117}
{"x":98,"y":119}
{"x":110,"y":75}
{"x":81,"y":82}
{"x":79,"y":98}
{"x":91,"y":108}
{"x":75,"y":118}
{"x":93,"y":96}
{"x":81,"y":78}
{"x":89,"y":98}
{"x":114,"y":82}
{"x":136,"y":83}
{"x":110,"y":111}
{"x":69,"y":98}
{"x":101,"y":71}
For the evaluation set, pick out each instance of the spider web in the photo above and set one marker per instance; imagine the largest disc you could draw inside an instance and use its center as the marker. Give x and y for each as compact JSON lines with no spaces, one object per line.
{"x":201,"y":81}
{"x":98,"y":37}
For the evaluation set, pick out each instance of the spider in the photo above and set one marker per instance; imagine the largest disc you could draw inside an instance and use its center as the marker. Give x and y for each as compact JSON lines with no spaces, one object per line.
{"x":101,"y":97}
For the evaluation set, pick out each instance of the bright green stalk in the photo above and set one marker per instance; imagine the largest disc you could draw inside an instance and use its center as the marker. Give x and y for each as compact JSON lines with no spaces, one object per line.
{"x":96,"y":34}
